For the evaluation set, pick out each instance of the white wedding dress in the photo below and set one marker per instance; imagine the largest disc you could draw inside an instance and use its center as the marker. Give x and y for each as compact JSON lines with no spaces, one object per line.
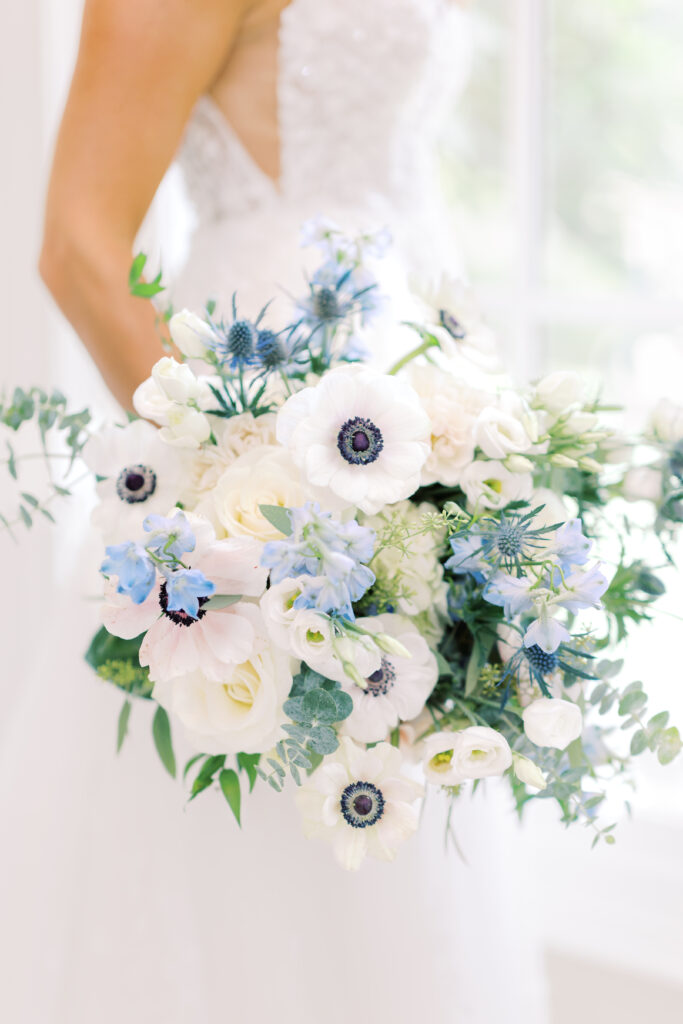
{"x":121,"y":904}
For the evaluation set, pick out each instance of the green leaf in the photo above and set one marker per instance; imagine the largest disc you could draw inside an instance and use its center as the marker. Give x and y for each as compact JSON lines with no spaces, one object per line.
{"x":638,"y":742}
{"x":279,"y":517}
{"x":474,"y":666}
{"x":30,"y":499}
{"x":669,"y":746}
{"x":633,"y":701}
{"x":138,"y":287}
{"x":323,"y":739}
{"x":11,"y":461}
{"x":161,"y":731}
{"x":343,"y":701}
{"x":219,"y":601}
{"x":230,"y":784}
{"x":122,"y":729}
{"x":247,"y":763}
{"x":318,"y":706}
{"x":659,"y":721}
{"x":190,"y":763}
{"x":23,"y":512}
{"x":104,"y":647}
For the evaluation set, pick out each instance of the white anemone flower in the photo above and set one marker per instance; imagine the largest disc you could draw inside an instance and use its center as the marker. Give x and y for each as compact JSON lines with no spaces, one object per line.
{"x":175,"y":643}
{"x":398,"y":690}
{"x":241,"y":711}
{"x":362,"y":434}
{"x":361,"y":802}
{"x":142,"y":475}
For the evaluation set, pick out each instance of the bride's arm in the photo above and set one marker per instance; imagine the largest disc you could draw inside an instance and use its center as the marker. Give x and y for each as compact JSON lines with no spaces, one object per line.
{"x":142,"y":64}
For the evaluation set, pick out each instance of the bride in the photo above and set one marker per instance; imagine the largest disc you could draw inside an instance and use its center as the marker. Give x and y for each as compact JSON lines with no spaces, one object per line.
{"x":137,"y":911}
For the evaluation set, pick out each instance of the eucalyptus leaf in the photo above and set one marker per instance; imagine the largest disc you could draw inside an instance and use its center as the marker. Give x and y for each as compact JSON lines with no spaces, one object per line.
{"x":219,"y":601}
{"x":279,"y":517}
{"x":122,"y":727}
{"x":323,"y":739}
{"x":318,"y":706}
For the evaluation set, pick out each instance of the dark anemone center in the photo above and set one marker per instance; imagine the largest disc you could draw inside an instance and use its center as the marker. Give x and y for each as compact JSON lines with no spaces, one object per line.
{"x":360,"y":441}
{"x":180,"y":618}
{"x":540,"y":660}
{"x":382,"y":680}
{"x":136,"y":483}
{"x":362,"y":804}
{"x":451,"y":324}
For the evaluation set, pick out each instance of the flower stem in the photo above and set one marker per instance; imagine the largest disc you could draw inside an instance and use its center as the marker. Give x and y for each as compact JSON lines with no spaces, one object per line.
{"x":424,"y":346}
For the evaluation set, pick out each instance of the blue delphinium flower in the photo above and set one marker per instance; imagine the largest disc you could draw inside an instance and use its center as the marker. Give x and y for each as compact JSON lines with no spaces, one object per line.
{"x":184,"y":588}
{"x":134,"y":568}
{"x":569,"y":546}
{"x":170,"y":536}
{"x":333,"y":552}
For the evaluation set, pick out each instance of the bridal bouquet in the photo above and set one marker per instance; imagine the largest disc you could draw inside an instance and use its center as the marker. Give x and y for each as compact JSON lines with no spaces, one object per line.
{"x":374,"y":583}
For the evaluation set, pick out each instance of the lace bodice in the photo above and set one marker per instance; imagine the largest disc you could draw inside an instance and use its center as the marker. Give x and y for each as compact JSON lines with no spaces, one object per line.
{"x":362,"y":89}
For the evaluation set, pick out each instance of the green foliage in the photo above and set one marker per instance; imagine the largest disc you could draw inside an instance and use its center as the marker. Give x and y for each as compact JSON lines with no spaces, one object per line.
{"x":229,"y":782}
{"x":278,"y":517}
{"x":122,"y":726}
{"x":630,"y":595}
{"x":48,"y":412}
{"x":314,"y":707}
{"x":137,"y":285}
{"x":118,"y":662}
{"x":161,"y":731}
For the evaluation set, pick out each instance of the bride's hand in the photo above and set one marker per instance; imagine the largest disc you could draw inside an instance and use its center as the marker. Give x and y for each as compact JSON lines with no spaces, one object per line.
{"x":141,"y":67}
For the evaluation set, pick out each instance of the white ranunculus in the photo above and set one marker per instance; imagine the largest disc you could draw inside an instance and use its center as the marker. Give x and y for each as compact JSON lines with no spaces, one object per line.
{"x":488,"y":484}
{"x":192,"y":335}
{"x":499,"y":433}
{"x":452,"y":406}
{"x":558,"y":391}
{"x":480,"y":752}
{"x":185,"y":427}
{"x":241,"y":712}
{"x":262,"y":476}
{"x":528,"y":772}
{"x":550,"y":722}
{"x":438,"y":764}
{"x":667,"y":420}
{"x":642,"y":483}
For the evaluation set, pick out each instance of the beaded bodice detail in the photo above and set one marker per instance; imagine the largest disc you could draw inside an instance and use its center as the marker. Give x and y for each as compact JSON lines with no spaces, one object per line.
{"x":362,"y":87}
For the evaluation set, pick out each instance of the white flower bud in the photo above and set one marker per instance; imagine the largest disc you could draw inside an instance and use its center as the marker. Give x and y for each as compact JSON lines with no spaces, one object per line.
{"x":192,"y":335}
{"x":563,"y":461}
{"x":550,"y":722}
{"x":518,"y":464}
{"x":390,"y":645}
{"x":528,"y":772}
{"x":176,"y":380}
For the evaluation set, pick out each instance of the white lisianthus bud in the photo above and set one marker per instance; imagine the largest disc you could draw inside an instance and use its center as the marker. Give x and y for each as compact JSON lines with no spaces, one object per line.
{"x":390,"y":645}
{"x":185,"y":427}
{"x":518,"y":464}
{"x":642,"y":483}
{"x":354,"y":675}
{"x":176,"y":380}
{"x":550,"y":722}
{"x":558,"y":391}
{"x":528,"y":772}
{"x":481,"y":752}
{"x":590,"y":465}
{"x":578,"y":423}
{"x":192,"y":335}
{"x":563,"y":461}
{"x":150,"y":402}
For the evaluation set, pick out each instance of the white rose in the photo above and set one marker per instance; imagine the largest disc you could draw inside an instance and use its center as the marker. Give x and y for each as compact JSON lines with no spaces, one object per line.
{"x":438,"y":765}
{"x":451,"y":407}
{"x":550,"y":722}
{"x":642,"y":483}
{"x":240,"y":712}
{"x":488,"y":484}
{"x":667,"y":420}
{"x":558,"y":391}
{"x":528,"y":772}
{"x":185,"y":427}
{"x":176,"y":380}
{"x":191,"y":334}
{"x":480,"y":752}
{"x":499,"y":433}
{"x":262,"y":476}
